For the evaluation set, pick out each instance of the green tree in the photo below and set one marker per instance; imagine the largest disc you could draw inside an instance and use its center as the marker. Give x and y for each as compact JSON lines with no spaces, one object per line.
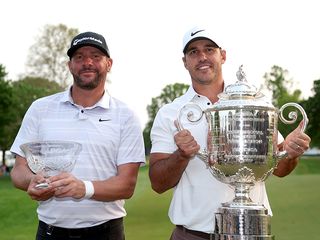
{"x":5,"y":105}
{"x":23,"y":93}
{"x":278,"y":83}
{"x":312,"y":107}
{"x":168,"y":94}
{"x":48,"y":58}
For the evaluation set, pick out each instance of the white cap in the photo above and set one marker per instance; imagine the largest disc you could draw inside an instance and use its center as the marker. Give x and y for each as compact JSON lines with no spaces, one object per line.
{"x":196,"y":33}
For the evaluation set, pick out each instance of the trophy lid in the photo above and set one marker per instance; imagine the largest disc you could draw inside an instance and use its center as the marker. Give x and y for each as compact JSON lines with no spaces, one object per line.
{"x":241,"y":93}
{"x":240,"y":89}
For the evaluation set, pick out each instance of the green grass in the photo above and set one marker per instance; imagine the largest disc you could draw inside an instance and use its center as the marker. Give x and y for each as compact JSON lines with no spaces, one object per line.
{"x":294,"y":201}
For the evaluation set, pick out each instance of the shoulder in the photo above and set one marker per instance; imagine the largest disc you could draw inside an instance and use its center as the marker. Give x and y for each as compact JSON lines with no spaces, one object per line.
{"x":120,"y":106}
{"x":173,"y":107}
{"x":54,"y":98}
{"x":122,"y":110}
{"x":46,"y":102}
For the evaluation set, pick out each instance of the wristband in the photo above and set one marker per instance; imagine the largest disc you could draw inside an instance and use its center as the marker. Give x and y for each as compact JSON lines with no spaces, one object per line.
{"x":89,"y":189}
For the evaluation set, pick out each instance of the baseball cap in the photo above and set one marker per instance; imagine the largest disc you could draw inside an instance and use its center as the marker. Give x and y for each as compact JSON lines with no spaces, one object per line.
{"x":88,"y":39}
{"x":196,"y":33}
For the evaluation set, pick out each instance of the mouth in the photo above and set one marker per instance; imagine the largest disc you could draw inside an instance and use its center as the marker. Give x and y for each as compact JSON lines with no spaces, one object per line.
{"x":87,"y":72}
{"x":204,"y":67}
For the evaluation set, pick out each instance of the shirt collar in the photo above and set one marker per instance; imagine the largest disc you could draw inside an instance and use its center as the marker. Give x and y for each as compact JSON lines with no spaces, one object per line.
{"x":191,"y":93}
{"x":104,"y":102}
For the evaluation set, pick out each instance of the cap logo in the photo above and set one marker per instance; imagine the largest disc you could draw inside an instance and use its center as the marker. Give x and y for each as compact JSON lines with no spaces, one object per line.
{"x":76,"y":41}
{"x":194,"y":33}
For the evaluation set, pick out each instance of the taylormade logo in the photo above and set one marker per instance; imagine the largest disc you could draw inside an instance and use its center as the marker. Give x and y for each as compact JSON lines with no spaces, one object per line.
{"x":76,"y":41}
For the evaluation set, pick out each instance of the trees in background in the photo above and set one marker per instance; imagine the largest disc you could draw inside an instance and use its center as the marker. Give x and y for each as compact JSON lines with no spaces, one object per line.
{"x":16,"y":97}
{"x":5,"y":107}
{"x":46,"y":73}
{"x":168,"y":94}
{"x":281,"y":86}
{"x":48,"y":58}
{"x":312,"y":107}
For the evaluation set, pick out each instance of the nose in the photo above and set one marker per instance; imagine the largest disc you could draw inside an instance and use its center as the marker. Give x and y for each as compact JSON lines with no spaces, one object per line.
{"x":87,"y":61}
{"x":203,"y":55}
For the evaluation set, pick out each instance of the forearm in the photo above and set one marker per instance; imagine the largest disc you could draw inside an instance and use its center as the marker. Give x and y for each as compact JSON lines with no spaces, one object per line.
{"x":117,"y":187}
{"x":21,"y":176}
{"x":285,"y":166}
{"x":113,"y":189}
{"x":166,"y":170}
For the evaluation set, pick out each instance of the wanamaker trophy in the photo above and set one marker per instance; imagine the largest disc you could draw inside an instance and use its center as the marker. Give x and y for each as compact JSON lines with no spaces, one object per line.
{"x":242,"y":151}
{"x":51,"y":157}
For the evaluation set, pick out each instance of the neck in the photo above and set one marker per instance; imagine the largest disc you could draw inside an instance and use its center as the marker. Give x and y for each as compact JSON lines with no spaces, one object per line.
{"x":86,"y":98}
{"x":211,"y":91}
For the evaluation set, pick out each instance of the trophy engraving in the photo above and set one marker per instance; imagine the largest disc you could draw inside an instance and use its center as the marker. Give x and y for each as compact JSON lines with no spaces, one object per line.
{"x":241,"y":151}
{"x":51,"y":157}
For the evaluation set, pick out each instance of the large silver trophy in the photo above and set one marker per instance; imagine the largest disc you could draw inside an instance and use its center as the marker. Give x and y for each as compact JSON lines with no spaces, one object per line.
{"x":242,"y":151}
{"x":51,"y":157}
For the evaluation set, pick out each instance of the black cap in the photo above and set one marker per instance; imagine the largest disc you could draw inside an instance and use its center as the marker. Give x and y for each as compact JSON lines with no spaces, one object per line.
{"x":88,"y":39}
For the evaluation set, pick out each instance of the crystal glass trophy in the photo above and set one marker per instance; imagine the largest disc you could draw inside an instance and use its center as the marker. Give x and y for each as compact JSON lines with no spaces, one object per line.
{"x":51,"y":157}
{"x":241,"y":151}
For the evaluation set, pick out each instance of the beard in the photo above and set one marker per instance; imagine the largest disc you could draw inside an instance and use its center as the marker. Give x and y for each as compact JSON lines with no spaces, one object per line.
{"x":81,"y":83}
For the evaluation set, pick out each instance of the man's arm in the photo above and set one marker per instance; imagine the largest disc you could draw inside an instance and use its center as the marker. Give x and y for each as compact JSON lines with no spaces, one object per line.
{"x":118,"y":187}
{"x":165,"y":170}
{"x":20,"y":174}
{"x":24,"y":179}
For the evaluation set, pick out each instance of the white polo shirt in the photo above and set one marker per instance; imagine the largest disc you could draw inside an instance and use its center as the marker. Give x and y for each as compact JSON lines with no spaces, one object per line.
{"x":110,"y":135}
{"x":198,"y":195}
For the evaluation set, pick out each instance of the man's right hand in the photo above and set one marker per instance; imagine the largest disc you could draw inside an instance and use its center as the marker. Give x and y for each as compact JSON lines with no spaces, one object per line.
{"x":187,"y":145}
{"x":39,"y":194}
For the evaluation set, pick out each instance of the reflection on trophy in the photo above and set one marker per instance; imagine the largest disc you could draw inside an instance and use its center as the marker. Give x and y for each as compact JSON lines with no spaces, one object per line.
{"x":51,"y":157}
{"x":242,"y":151}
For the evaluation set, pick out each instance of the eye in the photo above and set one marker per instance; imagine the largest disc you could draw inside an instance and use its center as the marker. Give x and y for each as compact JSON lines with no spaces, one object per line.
{"x":192,"y":52}
{"x":210,"y":49}
{"x":78,"y":57}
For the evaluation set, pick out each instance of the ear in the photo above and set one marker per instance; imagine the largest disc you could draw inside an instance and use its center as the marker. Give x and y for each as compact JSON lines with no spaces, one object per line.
{"x":223,"y":55}
{"x":69,"y":65}
{"x":184,"y":61}
{"x":109,"y":64}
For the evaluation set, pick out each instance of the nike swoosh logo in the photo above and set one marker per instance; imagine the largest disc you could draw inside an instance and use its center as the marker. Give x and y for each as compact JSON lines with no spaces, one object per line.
{"x":194,"y":33}
{"x":104,"y":120}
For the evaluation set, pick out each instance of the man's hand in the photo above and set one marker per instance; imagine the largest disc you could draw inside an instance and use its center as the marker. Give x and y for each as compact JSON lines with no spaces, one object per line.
{"x":296,"y":143}
{"x":39,"y":194}
{"x":66,"y":185}
{"x":187,"y":145}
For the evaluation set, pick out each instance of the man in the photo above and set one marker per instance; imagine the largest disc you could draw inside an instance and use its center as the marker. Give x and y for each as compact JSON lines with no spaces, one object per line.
{"x":173,"y":161}
{"x":87,"y":203}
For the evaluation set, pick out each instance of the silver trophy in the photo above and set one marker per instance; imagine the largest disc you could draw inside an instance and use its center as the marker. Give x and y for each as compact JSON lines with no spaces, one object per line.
{"x":242,"y":151}
{"x":51,"y":157}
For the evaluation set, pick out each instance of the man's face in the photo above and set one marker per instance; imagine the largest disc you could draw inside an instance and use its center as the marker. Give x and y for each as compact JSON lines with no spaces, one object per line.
{"x":203,"y":60}
{"x":89,"y":67}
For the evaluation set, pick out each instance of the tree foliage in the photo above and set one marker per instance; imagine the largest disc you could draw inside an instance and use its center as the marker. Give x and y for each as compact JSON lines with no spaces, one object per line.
{"x":22,"y":94}
{"x":48,"y":58}
{"x":168,"y":94}
{"x":312,"y":108}
{"x":5,"y":105}
{"x":281,"y":87}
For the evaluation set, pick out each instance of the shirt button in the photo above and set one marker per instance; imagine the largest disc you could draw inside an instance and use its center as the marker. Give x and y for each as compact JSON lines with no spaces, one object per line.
{"x":208,"y":103}
{"x":82,"y":111}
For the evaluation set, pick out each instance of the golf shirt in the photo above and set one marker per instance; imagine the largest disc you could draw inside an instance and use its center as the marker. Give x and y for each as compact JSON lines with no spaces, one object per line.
{"x":110,"y":135}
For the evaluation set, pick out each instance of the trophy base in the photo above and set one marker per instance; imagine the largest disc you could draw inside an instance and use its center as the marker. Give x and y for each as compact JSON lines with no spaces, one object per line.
{"x":243,"y":223}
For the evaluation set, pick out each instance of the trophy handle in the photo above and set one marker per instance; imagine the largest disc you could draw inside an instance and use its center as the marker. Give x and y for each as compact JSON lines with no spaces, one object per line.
{"x":192,"y":117}
{"x":293,"y":116}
